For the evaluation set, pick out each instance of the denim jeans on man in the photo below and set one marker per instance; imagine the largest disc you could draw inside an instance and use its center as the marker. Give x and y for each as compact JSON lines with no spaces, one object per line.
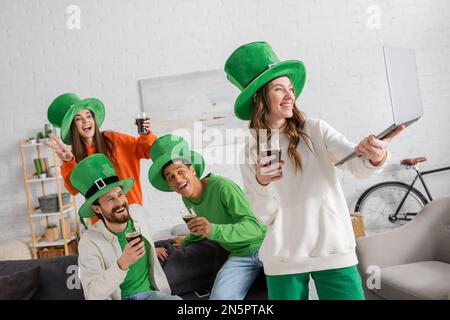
{"x":151,"y":295}
{"x":235,"y":277}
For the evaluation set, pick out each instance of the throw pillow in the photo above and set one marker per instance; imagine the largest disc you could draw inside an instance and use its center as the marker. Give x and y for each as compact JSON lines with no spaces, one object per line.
{"x":21,"y":285}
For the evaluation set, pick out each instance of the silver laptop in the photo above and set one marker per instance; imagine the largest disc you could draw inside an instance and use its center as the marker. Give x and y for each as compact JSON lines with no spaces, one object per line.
{"x":404,"y":90}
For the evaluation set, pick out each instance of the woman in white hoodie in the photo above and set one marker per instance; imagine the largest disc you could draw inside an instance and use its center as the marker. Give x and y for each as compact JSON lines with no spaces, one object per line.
{"x":299,"y":198}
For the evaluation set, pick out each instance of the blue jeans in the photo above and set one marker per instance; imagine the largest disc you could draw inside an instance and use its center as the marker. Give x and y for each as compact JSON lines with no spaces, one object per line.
{"x":235,"y":277}
{"x":151,"y":295}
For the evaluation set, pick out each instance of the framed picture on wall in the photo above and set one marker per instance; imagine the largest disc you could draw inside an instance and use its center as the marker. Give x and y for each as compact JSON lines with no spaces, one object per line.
{"x":199,"y":105}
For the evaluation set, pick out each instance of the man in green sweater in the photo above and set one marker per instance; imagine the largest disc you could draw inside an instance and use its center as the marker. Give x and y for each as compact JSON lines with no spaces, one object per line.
{"x":223,"y":213}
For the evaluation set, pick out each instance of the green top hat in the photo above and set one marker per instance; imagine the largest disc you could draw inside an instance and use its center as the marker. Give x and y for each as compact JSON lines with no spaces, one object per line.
{"x":253,"y":65}
{"x":164,"y":150}
{"x":93,"y":177}
{"x":63,"y":109}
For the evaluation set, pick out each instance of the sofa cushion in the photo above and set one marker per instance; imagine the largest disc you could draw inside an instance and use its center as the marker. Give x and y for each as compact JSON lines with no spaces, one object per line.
{"x":58,"y":276}
{"x":21,"y":285}
{"x":15,"y":249}
{"x":192,"y":267}
{"x":428,"y":280}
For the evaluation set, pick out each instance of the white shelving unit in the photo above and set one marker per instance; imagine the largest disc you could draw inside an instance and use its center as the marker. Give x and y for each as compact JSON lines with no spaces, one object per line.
{"x":39,"y":214}
{"x":43,"y":243}
{"x":42,"y":180}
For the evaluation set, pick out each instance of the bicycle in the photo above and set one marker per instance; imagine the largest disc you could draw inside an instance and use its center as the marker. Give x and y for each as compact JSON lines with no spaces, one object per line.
{"x":390,"y":204}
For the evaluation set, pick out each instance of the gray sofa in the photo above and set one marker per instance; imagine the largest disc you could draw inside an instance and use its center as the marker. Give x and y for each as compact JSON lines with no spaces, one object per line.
{"x":413,"y":261}
{"x":188,"y":269}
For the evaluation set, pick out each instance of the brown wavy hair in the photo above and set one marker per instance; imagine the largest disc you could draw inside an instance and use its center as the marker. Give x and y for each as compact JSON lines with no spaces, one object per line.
{"x":293,"y":128}
{"x":101,"y":142}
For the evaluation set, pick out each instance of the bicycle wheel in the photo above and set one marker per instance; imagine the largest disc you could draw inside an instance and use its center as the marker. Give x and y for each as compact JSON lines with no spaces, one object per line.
{"x":378,"y":203}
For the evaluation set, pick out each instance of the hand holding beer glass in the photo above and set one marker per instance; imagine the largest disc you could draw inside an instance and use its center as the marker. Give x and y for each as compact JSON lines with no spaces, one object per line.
{"x":134,"y":249}
{"x":198,"y":226}
{"x":187,"y":214}
{"x":134,"y":234}
{"x":143,"y":122}
{"x":269,"y":165}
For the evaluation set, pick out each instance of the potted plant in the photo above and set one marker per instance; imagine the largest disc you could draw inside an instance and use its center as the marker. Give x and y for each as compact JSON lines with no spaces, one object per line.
{"x":48,"y":130}
{"x":40,"y":137}
{"x":51,"y":171}
{"x":51,"y":232}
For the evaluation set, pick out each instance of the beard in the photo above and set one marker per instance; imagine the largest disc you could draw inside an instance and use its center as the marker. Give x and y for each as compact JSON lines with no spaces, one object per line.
{"x":113,"y":217}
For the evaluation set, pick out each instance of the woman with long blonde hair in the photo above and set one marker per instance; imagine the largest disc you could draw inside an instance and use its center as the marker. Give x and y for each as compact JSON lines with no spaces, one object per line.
{"x":298,"y":196}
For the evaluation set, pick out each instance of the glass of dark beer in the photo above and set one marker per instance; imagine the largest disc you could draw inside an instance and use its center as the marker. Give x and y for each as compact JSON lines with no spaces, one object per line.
{"x":140,"y":117}
{"x":131,"y":235}
{"x":188,"y":214}
{"x":267,"y":149}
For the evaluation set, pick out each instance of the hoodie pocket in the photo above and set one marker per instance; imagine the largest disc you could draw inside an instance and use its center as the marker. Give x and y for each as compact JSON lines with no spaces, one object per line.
{"x":333,"y":237}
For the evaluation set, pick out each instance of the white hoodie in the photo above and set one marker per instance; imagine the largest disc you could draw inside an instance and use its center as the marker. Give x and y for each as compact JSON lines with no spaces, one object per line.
{"x":309,"y":225}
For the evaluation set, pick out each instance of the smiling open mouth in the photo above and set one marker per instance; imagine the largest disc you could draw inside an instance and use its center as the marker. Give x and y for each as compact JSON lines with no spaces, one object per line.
{"x":87,"y":129}
{"x":121,"y":210}
{"x":182,"y":186}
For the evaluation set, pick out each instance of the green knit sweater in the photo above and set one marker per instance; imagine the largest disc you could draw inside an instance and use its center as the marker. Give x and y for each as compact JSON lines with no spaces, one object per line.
{"x":233,"y":224}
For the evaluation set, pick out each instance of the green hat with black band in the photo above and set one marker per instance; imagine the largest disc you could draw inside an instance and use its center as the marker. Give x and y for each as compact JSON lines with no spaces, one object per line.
{"x":254,"y":64}
{"x":93,"y":177}
{"x":169,"y":148}
{"x":64,"y":108}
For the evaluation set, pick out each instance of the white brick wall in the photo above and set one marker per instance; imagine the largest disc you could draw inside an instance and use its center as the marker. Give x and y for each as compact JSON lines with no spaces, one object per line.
{"x":122,"y":41}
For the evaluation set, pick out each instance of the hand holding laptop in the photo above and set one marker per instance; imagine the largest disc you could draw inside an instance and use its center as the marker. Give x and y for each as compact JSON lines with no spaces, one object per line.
{"x":375,"y":149}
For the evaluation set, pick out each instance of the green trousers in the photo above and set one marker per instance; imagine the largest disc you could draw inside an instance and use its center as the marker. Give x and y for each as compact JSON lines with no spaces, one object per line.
{"x":333,"y":284}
